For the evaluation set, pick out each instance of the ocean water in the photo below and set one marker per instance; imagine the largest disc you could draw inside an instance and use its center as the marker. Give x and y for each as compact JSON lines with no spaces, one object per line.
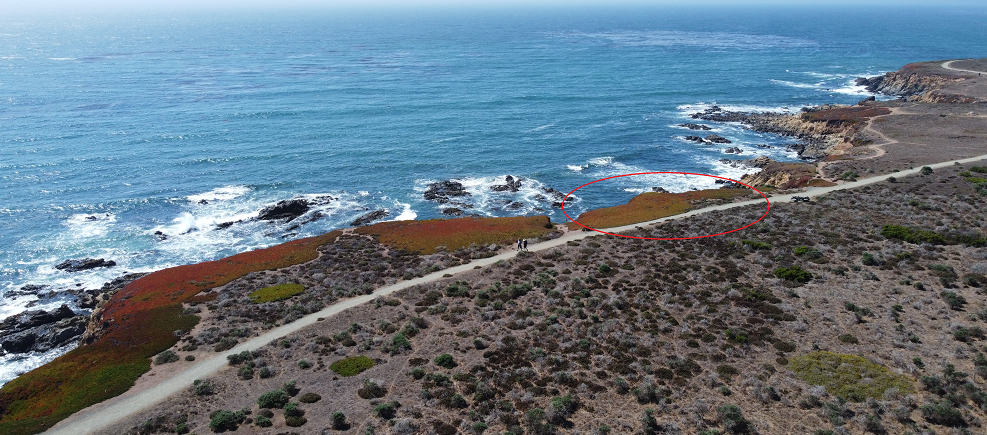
{"x":115,"y":127}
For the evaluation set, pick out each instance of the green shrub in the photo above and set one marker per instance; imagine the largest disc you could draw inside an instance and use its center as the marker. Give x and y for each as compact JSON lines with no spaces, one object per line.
{"x":912,"y":235}
{"x":649,"y":423}
{"x":733,"y":419}
{"x":165,"y":357}
{"x":338,"y":421}
{"x":868,"y":259}
{"x":351,"y":366}
{"x":225,"y":343}
{"x":458,"y":401}
{"x":263,"y":421}
{"x":926,"y":170}
{"x":304,"y":364}
{"x":479,"y":427}
{"x":445,"y":360}
{"x":245,"y":373}
{"x":182,"y":428}
{"x":942,"y":412}
{"x":276,"y":293}
{"x":755,"y":244}
{"x":309,"y":398}
{"x":460,"y":289}
{"x":794,"y":274}
{"x":266,"y":372}
{"x":417,"y":373}
{"x":952,"y":299}
{"x":848,"y":339}
{"x":202,"y":388}
{"x":386,"y":411}
{"x":291,"y":387}
{"x":273,"y":399}
{"x":851,"y":377}
{"x":849,"y":176}
{"x":226,"y":420}
{"x":239,"y":358}
{"x":291,"y":409}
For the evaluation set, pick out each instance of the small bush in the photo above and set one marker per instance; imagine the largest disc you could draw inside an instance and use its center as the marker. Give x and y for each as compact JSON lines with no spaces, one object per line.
{"x":309,"y":398}
{"x":263,"y":421}
{"x":226,"y":343}
{"x":295,"y":421}
{"x":202,"y":388}
{"x":733,"y":419}
{"x":848,"y":376}
{"x":850,"y":176}
{"x":276,"y":293}
{"x":942,"y":412}
{"x":165,"y":357}
{"x":371,"y":390}
{"x":386,"y":411}
{"x":848,"y":339}
{"x":445,"y":360}
{"x":926,"y":170}
{"x":794,"y":274}
{"x":266,"y":372}
{"x":273,"y":399}
{"x":304,"y":364}
{"x":226,"y":420}
{"x":291,"y":387}
{"x":755,"y":244}
{"x":291,"y":409}
{"x":245,"y":373}
{"x":952,"y":299}
{"x":351,"y":366}
{"x":338,"y":421}
{"x":912,"y":235}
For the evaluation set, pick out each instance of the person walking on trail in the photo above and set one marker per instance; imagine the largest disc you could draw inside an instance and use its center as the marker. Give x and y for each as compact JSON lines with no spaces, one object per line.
{"x":525,"y":244}
{"x":518,"y":244}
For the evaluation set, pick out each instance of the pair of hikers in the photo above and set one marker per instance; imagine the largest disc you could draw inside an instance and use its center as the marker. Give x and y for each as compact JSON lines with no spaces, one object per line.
{"x":522,"y":244}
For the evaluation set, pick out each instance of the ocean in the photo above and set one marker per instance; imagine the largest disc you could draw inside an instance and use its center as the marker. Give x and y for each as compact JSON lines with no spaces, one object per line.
{"x":131,"y":137}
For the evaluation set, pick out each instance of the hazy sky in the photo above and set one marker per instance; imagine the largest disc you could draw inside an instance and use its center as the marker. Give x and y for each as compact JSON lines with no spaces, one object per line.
{"x":72,"y":6}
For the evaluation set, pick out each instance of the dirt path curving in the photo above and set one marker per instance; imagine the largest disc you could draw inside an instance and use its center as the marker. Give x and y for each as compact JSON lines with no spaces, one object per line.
{"x":947,"y":65}
{"x":105,"y":414}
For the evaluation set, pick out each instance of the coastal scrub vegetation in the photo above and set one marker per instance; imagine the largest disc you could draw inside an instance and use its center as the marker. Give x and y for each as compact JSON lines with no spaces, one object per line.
{"x":351,"y":366}
{"x":429,"y":236}
{"x":851,"y":377}
{"x":276,"y":293}
{"x":141,"y":320}
{"x":653,"y":205}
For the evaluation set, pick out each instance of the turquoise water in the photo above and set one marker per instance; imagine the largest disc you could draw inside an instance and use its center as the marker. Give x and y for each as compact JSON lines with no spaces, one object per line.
{"x":113,"y":128}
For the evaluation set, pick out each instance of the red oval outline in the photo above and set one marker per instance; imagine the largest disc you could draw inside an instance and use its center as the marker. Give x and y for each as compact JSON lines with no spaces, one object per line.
{"x":667,"y":238}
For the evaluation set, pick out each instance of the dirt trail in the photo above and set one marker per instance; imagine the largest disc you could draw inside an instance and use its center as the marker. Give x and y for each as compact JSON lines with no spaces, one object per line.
{"x":102,"y":415}
{"x":946,"y":65}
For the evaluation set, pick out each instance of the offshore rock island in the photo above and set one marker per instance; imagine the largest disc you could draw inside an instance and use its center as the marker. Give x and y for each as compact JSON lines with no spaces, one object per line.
{"x":860,"y":311}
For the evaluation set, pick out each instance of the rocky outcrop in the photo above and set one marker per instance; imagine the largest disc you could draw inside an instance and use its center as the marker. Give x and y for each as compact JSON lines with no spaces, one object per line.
{"x":369,"y":218}
{"x":779,"y":174}
{"x":914,"y":87}
{"x":733,"y":150}
{"x":715,"y":138}
{"x":692,"y":126}
{"x":287,"y":210}
{"x":441,"y":192}
{"x":97,"y":299}
{"x":84,"y":264}
{"x":511,"y":185}
{"x":40,"y":331}
{"x":695,"y":139}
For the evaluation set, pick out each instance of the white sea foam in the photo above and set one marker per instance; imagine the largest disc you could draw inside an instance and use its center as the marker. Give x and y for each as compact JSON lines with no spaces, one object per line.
{"x":576,"y":168}
{"x":221,"y":194}
{"x":687,"y":109}
{"x":62,"y":58}
{"x":14,"y":364}
{"x":540,"y":128}
{"x":84,"y":226}
{"x":818,"y":85}
{"x":448,"y":139}
{"x":407,"y":214}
